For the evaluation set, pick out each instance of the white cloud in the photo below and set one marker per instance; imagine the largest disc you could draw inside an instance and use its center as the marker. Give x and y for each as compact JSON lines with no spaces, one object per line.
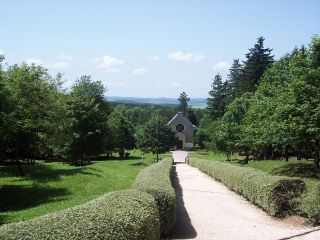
{"x":175,"y":85}
{"x":155,"y":58}
{"x":222,"y":65}
{"x":65,"y":57}
{"x":139,"y":71}
{"x":159,"y":85}
{"x":64,"y":61}
{"x":185,"y":57}
{"x":1,"y":52}
{"x":108,"y":63}
{"x":35,"y":61}
{"x":117,"y":84}
{"x":59,"y":64}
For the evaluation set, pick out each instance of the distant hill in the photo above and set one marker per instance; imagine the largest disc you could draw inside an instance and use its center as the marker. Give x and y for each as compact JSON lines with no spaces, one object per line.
{"x":194,"y":102}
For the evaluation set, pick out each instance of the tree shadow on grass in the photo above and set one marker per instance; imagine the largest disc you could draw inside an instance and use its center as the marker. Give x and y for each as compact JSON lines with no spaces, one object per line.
{"x":41,"y":173}
{"x":138,"y":164}
{"x":183,"y":228}
{"x":18,"y":197}
{"x":298,"y":170}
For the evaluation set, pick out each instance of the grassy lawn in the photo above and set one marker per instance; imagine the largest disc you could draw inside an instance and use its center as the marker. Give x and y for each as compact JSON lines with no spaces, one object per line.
{"x":293,"y":168}
{"x":49,"y":187}
{"x":210,"y":156}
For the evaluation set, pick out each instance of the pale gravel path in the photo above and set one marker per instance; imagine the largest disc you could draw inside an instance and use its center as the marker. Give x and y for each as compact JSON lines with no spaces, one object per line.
{"x":207,"y":210}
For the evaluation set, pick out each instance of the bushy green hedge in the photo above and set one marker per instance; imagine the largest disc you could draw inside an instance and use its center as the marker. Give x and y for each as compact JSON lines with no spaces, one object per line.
{"x":310,"y":203}
{"x":156,"y":180}
{"x":277,"y":195}
{"x":127,"y":214}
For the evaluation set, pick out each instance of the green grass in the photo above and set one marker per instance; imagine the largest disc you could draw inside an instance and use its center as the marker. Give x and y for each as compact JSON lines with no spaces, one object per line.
{"x":209,"y":155}
{"x":48,"y":187}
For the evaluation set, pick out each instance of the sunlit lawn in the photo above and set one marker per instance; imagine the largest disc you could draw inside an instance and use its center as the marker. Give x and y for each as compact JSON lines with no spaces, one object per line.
{"x":48,"y":187}
{"x":292,"y":168}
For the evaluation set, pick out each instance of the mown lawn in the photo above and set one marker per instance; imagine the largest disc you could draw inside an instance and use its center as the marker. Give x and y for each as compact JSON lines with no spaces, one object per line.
{"x":292,"y":168}
{"x":51,"y":186}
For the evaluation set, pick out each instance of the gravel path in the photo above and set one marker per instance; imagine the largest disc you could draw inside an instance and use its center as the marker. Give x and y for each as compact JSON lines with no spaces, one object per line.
{"x":209,"y":210}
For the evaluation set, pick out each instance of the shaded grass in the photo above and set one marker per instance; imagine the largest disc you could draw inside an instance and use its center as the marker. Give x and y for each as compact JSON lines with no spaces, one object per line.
{"x":48,"y":187}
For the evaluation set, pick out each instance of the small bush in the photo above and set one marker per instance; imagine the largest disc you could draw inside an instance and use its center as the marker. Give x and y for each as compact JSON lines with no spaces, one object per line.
{"x":310,"y":203}
{"x":156,"y":180}
{"x":275,"y":194}
{"x":127,"y":214}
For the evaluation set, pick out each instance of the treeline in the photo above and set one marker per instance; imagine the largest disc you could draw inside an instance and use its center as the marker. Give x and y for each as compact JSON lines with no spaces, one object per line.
{"x":39,"y":119}
{"x":266,"y":109}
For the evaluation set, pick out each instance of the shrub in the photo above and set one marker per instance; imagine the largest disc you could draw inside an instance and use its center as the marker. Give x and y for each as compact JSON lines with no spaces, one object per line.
{"x":310,"y":203}
{"x":156,"y":180}
{"x":277,"y":195}
{"x":126,"y":214}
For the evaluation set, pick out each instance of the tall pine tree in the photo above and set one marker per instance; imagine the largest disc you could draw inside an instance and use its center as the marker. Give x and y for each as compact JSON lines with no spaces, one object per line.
{"x":233,"y":80}
{"x":216,"y":105}
{"x":258,"y":60}
{"x":183,"y":103}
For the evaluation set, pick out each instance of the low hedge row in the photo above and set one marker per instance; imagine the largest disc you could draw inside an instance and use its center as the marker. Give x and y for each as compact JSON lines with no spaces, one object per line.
{"x":126,"y":214}
{"x":277,"y":195}
{"x":310,"y":203}
{"x":156,"y":180}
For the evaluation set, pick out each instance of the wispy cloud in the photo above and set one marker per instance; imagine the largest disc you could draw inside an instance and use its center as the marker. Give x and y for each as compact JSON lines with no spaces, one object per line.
{"x":175,"y":85}
{"x":35,"y":61}
{"x":65,"y":57}
{"x":222,"y":65}
{"x":155,"y":58}
{"x":139,"y":71}
{"x":1,"y":52}
{"x":59,"y":64}
{"x":117,"y":84}
{"x":108,"y":63}
{"x":64,"y":61}
{"x":185,"y":57}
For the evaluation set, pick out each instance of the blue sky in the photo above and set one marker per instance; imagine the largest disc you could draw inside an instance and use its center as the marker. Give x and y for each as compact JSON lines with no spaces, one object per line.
{"x":150,"y":48}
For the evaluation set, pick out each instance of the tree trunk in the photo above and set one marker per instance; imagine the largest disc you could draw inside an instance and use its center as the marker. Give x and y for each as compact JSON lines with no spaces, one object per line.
{"x":316,"y":155}
{"x":298,"y":154}
{"x":286,"y":152}
{"x":157,"y":156}
{"x":228,"y":156}
{"x":20,"y":168}
{"x":247,"y":156}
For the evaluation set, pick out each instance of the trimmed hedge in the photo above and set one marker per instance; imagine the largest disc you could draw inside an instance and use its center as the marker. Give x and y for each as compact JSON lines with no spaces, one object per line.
{"x":310,"y":203}
{"x":156,"y":180}
{"x":277,"y":195}
{"x":126,"y":214}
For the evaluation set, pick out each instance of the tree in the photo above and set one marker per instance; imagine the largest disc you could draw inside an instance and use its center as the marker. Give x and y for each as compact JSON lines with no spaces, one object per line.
{"x":234,"y":76}
{"x":216,"y":105}
{"x":121,"y":133}
{"x":156,"y":136}
{"x":191,"y":116}
{"x":88,"y":109}
{"x":229,"y":130}
{"x":285,"y":113}
{"x":257,"y":61}
{"x":30,"y":89}
{"x":183,"y":103}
